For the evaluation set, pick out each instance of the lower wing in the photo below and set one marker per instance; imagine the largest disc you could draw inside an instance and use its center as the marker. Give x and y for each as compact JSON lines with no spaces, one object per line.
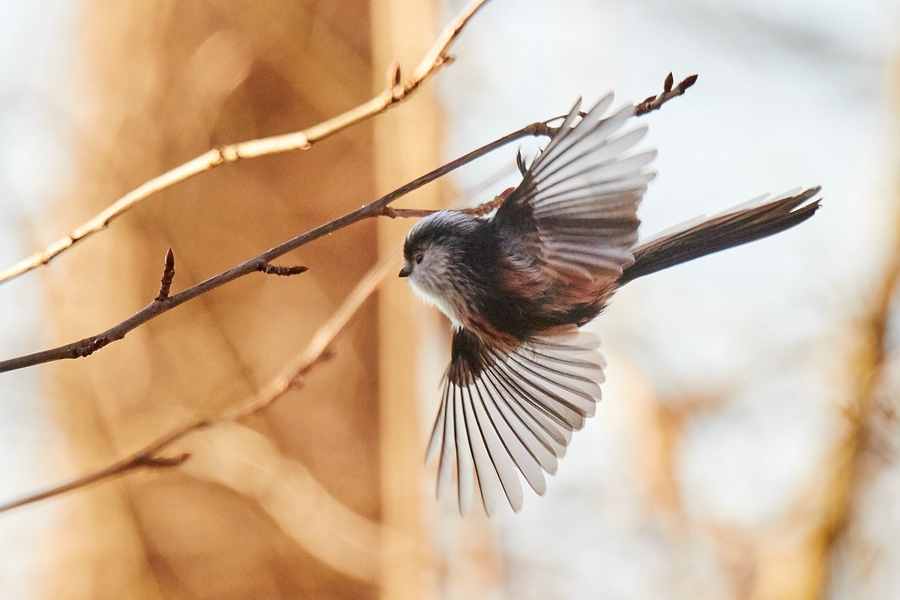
{"x":505,"y":412}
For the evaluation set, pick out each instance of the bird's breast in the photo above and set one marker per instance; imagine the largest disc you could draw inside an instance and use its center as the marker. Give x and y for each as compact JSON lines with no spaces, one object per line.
{"x":446,"y":299}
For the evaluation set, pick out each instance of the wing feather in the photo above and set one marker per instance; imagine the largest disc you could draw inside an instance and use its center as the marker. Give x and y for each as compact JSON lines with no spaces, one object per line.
{"x":506,"y":412}
{"x":464,"y":460}
{"x":487,"y":467}
{"x":580,"y":196}
{"x":522,"y":455}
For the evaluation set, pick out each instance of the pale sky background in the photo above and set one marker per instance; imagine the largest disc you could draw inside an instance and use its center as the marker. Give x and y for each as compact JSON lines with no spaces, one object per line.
{"x":37,"y":53}
{"x":791,"y":93}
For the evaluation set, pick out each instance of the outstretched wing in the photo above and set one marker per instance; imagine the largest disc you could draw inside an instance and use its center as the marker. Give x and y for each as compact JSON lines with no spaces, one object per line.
{"x":505,"y":412}
{"x":577,"y":202}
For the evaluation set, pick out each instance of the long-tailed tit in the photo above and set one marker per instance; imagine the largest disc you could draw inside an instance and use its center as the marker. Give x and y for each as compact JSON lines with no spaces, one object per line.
{"x":518,"y":285}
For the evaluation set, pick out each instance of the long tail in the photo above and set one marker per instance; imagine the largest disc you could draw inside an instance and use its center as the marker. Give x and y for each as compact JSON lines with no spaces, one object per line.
{"x":738,"y":226}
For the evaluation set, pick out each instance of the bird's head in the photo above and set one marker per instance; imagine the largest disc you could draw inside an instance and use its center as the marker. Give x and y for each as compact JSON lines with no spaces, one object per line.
{"x":433,"y":257}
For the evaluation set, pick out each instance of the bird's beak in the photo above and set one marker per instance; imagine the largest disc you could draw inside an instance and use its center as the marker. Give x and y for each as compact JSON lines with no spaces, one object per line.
{"x":406,"y":270}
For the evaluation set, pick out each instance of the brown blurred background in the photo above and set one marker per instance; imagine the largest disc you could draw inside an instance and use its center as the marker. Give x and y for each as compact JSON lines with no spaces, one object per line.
{"x":289,"y":505}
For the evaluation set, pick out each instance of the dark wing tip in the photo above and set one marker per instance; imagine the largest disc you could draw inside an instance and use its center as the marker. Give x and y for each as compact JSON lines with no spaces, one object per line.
{"x":797,"y":209}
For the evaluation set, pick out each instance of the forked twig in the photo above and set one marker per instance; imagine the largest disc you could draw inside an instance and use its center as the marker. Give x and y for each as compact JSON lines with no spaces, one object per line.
{"x":145,"y":457}
{"x":655,"y":102}
{"x":316,"y":352}
{"x":647,"y":106}
{"x":394,"y":93}
{"x":262,"y":263}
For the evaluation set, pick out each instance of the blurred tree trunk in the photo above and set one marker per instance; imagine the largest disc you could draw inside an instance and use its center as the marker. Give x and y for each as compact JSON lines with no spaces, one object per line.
{"x":405,"y":148}
{"x":167,"y":80}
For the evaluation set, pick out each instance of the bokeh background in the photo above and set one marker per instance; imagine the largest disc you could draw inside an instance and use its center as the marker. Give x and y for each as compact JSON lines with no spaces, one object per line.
{"x":747,"y":443}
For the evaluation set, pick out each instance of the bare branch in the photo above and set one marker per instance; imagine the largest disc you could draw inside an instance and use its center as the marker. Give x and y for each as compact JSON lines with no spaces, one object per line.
{"x":655,"y":102}
{"x":407,"y":213}
{"x":291,"y":376}
{"x":393,"y":94}
{"x":480,"y":210}
{"x":145,"y":457}
{"x":541,"y":129}
{"x":262,"y":263}
{"x":483,"y":209}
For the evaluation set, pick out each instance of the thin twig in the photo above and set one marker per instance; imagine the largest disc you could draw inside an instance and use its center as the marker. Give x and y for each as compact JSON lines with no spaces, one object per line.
{"x":480,"y":210}
{"x":407,"y":213}
{"x":88,"y":346}
{"x":316,"y":352}
{"x":649,"y":105}
{"x":394,"y":93}
{"x":380,"y":207}
{"x":145,"y":457}
{"x":655,"y":102}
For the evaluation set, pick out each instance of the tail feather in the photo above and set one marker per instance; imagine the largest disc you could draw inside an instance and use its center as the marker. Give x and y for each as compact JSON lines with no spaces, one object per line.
{"x":734,"y":228}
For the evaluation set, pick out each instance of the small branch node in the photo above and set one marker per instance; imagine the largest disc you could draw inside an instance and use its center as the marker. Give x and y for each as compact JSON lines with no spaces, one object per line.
{"x":270,"y":269}
{"x":324,"y":356}
{"x":393,"y":76}
{"x":229,"y":153}
{"x":219,"y":157}
{"x":165,"y":284}
{"x":544,"y":129}
{"x":88,"y":346}
{"x":655,"y":102}
{"x":165,"y":462}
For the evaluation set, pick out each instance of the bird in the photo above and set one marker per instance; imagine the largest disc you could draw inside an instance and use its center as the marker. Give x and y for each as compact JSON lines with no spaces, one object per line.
{"x":517,"y":286}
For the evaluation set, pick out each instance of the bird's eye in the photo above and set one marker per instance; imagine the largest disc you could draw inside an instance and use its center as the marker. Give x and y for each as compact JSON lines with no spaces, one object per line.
{"x":417,"y":257}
